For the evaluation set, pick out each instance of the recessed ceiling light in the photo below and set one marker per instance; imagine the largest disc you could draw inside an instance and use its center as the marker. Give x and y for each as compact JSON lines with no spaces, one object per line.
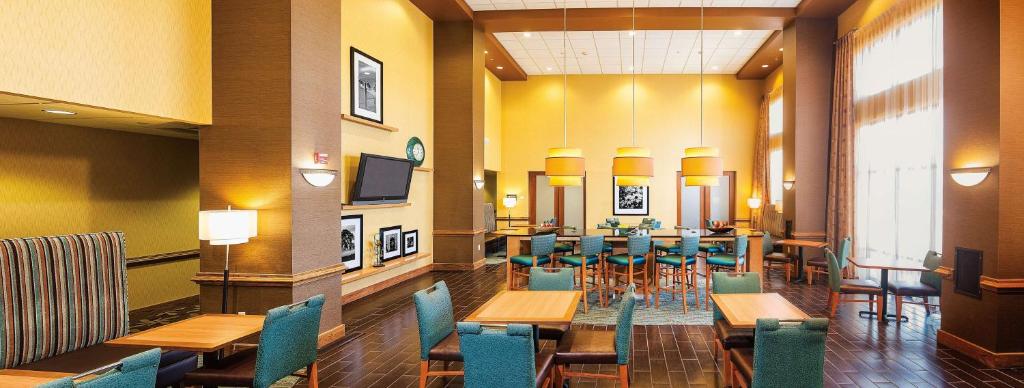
{"x":715,"y":68}
{"x":486,"y":52}
{"x":631,"y":33}
{"x":764,"y":66}
{"x":737,"y":33}
{"x":59,"y":112}
{"x":549,"y":68}
{"x":780,"y":48}
{"x":527,"y":34}
{"x":501,"y":67}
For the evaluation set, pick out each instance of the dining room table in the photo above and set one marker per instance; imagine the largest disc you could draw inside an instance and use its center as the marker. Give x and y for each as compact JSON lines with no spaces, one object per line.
{"x":528,"y":307}
{"x":21,"y":378}
{"x":800,"y":245}
{"x":208,"y":334}
{"x":886,"y":264}
{"x":743,"y":310}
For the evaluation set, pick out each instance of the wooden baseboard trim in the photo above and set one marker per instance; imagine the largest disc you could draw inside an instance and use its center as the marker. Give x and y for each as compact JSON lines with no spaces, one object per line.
{"x":450,"y":267}
{"x":268,"y":279}
{"x":330,"y":336}
{"x":1002,"y":286}
{"x":982,"y":355}
{"x":809,"y":235}
{"x":458,"y":232}
{"x":162,"y":258}
{"x":370,"y":290}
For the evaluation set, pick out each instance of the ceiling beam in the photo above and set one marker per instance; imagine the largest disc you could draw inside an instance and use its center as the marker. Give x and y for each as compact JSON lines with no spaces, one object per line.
{"x":768,"y":54}
{"x":445,"y":10}
{"x":823,"y":9}
{"x":619,"y":19}
{"x":496,"y":57}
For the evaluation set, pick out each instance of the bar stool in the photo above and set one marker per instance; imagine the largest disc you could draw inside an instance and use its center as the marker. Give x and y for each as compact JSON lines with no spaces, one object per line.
{"x":730,"y":262}
{"x":541,"y":248}
{"x":634,"y":263}
{"x":589,"y":260}
{"x":669,"y":268}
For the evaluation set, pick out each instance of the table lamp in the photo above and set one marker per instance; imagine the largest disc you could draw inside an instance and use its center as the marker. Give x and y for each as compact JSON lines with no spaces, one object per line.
{"x":227,"y":228}
{"x":510,"y":202}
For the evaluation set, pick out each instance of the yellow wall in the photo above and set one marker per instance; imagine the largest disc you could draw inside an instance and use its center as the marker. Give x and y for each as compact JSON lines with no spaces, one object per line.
{"x":150,"y":57}
{"x":401,"y":36}
{"x":861,"y":13}
{"x":599,"y":121}
{"x":59,"y":179}
{"x":492,"y":122}
{"x":773,"y":81}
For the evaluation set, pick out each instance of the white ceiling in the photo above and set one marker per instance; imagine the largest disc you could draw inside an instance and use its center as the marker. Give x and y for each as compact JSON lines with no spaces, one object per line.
{"x":492,"y":5}
{"x":611,"y":52}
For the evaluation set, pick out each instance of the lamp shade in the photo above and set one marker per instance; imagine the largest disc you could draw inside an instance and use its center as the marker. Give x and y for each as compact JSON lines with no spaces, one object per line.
{"x":701,"y":166}
{"x":754,"y":203}
{"x":227,"y":227}
{"x":565,"y":166}
{"x":510,"y":201}
{"x":318,"y":177}
{"x":633,"y":166}
{"x":788,"y":185}
{"x":969,"y":176}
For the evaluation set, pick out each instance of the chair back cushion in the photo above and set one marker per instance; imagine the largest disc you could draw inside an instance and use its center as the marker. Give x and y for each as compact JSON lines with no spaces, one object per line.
{"x":497,"y":358}
{"x":591,"y":245}
{"x":434,"y":316}
{"x":767,"y":245}
{"x":740,"y":246}
{"x":835,"y":278}
{"x":844,"y":251}
{"x":734,"y":283}
{"x":288,"y":341}
{"x":138,"y":370}
{"x":638,"y":245}
{"x":551,"y":279}
{"x":59,"y":294}
{"x":689,"y":245}
{"x":788,"y":354}
{"x":542,"y":244}
{"x":624,"y":325}
{"x":932,"y":261}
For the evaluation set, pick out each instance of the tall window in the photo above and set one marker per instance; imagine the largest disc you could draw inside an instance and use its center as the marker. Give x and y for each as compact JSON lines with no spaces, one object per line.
{"x":775,"y":147}
{"x":897,"y":88}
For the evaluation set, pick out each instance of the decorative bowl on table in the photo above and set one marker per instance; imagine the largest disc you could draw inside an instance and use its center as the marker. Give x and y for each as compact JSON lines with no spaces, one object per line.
{"x":721,"y":230}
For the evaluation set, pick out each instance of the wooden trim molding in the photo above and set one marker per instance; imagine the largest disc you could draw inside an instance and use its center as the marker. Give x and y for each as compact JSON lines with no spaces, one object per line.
{"x":330,"y":336}
{"x":452,"y":267}
{"x":390,"y":265}
{"x":370,"y":290}
{"x":162,"y":258}
{"x":458,"y":232}
{"x":368,"y":123}
{"x":268,"y":279}
{"x":985,"y":356}
{"x":809,"y":235}
{"x":1002,"y":286}
{"x":376,"y":206}
{"x":945,"y":272}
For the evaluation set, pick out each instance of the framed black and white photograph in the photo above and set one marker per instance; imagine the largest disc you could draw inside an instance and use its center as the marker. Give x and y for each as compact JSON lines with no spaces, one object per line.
{"x":367,"y":92}
{"x":391,"y":242}
{"x":352,"y":242}
{"x":630,"y":200}
{"x":410,"y":242}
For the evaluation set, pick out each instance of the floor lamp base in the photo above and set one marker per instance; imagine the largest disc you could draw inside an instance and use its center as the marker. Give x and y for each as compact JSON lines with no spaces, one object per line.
{"x":224,"y":294}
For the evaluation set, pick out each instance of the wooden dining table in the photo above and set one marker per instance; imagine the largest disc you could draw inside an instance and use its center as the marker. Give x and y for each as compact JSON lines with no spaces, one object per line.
{"x":800,"y":245}
{"x":21,"y":378}
{"x":528,"y":307}
{"x":207,"y":333}
{"x":885,"y":264}
{"x":743,"y":310}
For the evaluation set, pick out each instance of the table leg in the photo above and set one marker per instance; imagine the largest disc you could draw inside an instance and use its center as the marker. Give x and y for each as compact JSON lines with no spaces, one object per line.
{"x":885,"y":301}
{"x":800,"y":276}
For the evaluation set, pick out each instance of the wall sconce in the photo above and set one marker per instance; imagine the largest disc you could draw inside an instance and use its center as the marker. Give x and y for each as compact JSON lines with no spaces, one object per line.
{"x":969,"y":176}
{"x":318,"y":177}
{"x":754,"y":203}
{"x":478,"y":183}
{"x":788,"y":185}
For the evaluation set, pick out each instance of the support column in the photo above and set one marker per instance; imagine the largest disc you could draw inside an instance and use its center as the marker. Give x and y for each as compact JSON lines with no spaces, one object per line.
{"x":458,"y":144}
{"x":276,"y":101}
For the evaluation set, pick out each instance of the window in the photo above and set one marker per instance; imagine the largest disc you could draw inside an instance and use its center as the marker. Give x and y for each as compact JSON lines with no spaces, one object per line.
{"x":775,"y":148}
{"x":897,"y":84}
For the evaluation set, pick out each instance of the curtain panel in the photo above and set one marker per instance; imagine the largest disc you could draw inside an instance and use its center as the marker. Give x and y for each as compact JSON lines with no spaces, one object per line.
{"x":840,"y":223}
{"x":759,"y":181}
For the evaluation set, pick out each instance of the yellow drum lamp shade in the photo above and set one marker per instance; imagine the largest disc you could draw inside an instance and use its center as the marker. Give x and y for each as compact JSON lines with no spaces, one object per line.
{"x":701,"y":166}
{"x":565,"y":167}
{"x":633,"y":166}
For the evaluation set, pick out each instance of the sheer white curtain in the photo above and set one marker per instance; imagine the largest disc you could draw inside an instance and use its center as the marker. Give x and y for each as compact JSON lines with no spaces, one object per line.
{"x":897,"y":84}
{"x":775,"y":147}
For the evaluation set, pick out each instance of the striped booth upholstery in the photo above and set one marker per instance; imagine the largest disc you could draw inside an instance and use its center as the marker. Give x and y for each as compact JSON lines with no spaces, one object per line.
{"x":73,"y":288}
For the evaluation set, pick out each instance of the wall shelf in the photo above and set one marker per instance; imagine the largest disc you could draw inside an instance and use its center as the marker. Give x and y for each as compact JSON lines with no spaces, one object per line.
{"x":377,"y":206}
{"x":423,"y":169}
{"x":388,"y":265}
{"x":368,"y":123}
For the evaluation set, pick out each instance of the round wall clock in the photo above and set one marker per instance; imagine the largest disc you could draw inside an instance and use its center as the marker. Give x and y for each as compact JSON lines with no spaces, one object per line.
{"x":415,"y":151}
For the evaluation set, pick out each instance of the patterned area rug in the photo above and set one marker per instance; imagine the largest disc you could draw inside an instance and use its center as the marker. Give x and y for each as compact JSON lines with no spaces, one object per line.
{"x":669,"y":313}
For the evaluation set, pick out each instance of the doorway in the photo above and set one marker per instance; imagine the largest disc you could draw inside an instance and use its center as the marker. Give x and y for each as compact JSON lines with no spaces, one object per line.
{"x":567,"y":205}
{"x":694,"y":204}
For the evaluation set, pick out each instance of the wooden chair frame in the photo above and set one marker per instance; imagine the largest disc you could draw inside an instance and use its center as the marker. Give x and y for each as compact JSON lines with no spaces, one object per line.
{"x":675,"y":282}
{"x":874,"y":304}
{"x":513,"y":275}
{"x":899,"y":305}
{"x":622,"y":375}
{"x":597,"y":282}
{"x":425,"y":372}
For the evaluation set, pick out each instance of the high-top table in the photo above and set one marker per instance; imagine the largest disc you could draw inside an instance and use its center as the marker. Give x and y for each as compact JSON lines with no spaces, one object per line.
{"x":800,"y":245}
{"x":885,"y":264}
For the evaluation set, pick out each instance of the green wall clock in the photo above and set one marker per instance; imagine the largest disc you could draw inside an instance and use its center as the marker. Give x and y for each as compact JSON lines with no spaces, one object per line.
{"x":415,"y":151}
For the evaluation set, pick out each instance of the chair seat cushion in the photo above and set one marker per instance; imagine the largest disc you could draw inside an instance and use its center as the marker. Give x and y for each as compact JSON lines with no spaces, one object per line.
{"x":544,"y":360}
{"x":732,"y":337}
{"x":672,"y":249}
{"x":722,"y":260}
{"x":587,"y":347}
{"x":778,"y":257}
{"x":624,"y":259}
{"x":563,"y":247}
{"x":552,"y":332}
{"x":710,"y":248}
{"x":913,"y":288}
{"x":447,"y":349}
{"x":859,"y":286}
{"x":817,"y":262}
{"x":675,"y":260}
{"x":236,"y":370}
{"x":577,"y":260}
{"x":743,"y":361}
{"x":528,"y":260}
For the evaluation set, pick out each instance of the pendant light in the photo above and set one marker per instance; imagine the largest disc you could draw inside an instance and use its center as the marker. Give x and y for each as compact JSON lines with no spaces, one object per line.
{"x":565,"y":166}
{"x":633,"y":166}
{"x":701,"y":166}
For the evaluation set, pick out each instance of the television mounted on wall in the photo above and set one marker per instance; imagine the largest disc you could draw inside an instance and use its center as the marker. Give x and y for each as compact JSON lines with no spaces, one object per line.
{"x":382,"y":179}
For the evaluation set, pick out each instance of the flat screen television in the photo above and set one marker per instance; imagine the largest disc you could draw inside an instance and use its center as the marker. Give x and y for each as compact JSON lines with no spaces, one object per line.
{"x":382,"y":179}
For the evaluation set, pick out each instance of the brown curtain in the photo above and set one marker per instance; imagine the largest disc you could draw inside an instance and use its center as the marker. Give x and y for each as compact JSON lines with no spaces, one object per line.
{"x":841,"y":169}
{"x":759,"y":181}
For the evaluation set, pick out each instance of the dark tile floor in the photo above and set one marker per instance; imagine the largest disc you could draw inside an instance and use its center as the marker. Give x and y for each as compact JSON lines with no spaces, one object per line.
{"x":381,"y":345}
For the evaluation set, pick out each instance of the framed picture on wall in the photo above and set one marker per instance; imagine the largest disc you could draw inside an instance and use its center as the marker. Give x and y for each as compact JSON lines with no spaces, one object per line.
{"x":367,"y":92}
{"x":352,"y":242}
{"x":630,"y":200}
{"x":410,"y":242}
{"x":391,"y":242}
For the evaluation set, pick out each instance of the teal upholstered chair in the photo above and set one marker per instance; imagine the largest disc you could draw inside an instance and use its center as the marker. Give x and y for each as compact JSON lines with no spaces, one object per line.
{"x":710,"y":248}
{"x":839,"y":287}
{"x":771,"y":258}
{"x":287,"y":344}
{"x":589,"y":346}
{"x":785,"y":354}
{"x":663,"y":248}
{"x":624,"y":269}
{"x":735,"y":261}
{"x":541,"y":248}
{"x":820,"y":265}
{"x":589,"y":264}
{"x":676,"y":269}
{"x":552,"y":279}
{"x":137,"y":370}
{"x":503,"y":356}
{"x":726,"y":336}
{"x":928,"y":285}
{"x":436,"y":321}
